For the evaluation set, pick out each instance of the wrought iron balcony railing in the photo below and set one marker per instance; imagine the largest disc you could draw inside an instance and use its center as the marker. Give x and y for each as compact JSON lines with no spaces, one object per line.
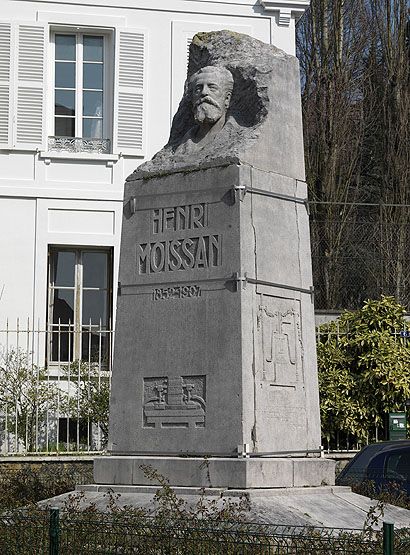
{"x":79,"y":144}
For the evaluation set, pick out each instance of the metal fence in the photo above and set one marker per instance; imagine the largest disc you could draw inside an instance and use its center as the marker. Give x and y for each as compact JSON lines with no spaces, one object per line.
{"x":51,"y":399}
{"x":54,"y":398}
{"x":359,"y":252}
{"x":50,"y":532}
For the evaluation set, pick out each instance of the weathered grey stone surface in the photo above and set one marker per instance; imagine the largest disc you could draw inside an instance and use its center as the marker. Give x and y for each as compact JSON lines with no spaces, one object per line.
{"x":215,"y":343}
{"x":335,"y":507}
{"x":247,"y":350}
{"x":218,"y":472}
{"x":264,"y":125}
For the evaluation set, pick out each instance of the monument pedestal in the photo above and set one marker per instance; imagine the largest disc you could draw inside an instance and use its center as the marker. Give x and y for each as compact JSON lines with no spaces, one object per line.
{"x":226,"y":473}
{"x":215,"y":332}
{"x":215,"y":342}
{"x":215,"y":335}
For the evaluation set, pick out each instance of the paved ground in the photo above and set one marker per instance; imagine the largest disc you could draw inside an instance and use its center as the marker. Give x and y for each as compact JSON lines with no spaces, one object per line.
{"x":333,"y":506}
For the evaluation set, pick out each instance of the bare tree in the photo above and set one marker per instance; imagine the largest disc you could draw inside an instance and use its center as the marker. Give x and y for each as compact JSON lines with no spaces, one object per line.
{"x":389,"y":82}
{"x":354,"y":63}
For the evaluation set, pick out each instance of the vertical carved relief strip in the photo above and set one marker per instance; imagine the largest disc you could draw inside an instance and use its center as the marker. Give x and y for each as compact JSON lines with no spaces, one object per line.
{"x":280,"y":341}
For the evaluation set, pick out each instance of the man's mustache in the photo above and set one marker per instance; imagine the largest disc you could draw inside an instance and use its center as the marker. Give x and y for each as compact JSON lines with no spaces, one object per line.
{"x":206,"y":100}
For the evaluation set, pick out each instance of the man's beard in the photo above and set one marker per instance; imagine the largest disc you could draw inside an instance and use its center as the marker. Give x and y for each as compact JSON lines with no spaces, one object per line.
{"x":207,"y":111}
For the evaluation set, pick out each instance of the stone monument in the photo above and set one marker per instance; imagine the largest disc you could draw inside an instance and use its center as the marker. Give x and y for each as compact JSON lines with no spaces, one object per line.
{"x":215,"y":381}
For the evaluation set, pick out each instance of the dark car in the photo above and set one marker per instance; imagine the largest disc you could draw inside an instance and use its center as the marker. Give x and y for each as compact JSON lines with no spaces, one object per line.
{"x":386,"y":464}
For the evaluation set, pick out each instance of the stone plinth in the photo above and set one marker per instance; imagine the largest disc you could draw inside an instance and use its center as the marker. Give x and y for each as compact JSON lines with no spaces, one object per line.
{"x":215,"y":343}
{"x":243,"y":473}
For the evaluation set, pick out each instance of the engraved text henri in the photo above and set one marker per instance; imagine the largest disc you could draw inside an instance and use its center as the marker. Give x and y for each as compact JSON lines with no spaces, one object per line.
{"x":201,"y":250}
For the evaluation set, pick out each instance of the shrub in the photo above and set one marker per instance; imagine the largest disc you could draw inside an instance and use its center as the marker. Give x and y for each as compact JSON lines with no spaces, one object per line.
{"x":363,"y":367}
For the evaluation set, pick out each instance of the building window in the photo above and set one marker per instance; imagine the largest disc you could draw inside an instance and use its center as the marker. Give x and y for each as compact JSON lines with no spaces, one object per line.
{"x":80,"y":301}
{"x":81,"y":93}
{"x":75,"y":432}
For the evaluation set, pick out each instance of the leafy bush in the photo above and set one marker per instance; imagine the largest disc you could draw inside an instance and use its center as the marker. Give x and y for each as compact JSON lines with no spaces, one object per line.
{"x":29,"y":485}
{"x":25,"y":395}
{"x":170,"y":526}
{"x":91,"y":400}
{"x":391,"y":493}
{"x":363,"y":367}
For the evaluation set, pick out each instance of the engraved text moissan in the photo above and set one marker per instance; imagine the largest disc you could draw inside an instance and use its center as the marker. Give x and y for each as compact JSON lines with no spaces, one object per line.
{"x":179,"y":254}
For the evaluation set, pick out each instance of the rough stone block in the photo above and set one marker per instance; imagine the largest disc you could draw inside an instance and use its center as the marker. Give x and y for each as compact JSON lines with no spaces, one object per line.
{"x":313,"y":472}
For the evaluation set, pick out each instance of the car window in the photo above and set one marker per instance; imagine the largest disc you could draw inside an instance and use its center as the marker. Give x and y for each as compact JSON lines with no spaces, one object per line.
{"x":357,"y":468}
{"x":398,"y":467}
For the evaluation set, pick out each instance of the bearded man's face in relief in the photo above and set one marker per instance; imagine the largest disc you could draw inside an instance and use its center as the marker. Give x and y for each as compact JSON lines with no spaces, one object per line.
{"x":210,"y":97}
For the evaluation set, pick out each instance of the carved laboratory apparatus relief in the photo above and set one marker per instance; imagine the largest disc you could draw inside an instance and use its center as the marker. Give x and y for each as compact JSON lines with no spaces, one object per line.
{"x":174,"y":402}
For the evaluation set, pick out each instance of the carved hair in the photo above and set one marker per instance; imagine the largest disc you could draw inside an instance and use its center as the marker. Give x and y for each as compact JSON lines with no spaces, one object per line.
{"x":224,"y":75}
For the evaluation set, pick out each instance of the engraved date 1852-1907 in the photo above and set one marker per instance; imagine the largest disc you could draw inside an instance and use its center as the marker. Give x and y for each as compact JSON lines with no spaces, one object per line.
{"x":176,"y":292}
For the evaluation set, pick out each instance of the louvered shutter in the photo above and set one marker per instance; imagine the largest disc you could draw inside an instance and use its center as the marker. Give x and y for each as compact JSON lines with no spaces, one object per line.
{"x":130,"y":85}
{"x":30,"y":89}
{"x":188,"y":44}
{"x":5,"y":79}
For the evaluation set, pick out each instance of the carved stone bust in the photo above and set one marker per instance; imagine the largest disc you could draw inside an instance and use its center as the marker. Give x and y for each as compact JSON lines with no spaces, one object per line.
{"x":241,"y":105}
{"x":209,"y":91}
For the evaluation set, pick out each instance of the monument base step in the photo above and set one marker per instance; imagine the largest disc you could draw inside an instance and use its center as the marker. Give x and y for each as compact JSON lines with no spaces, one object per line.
{"x":232,"y":473}
{"x":250,"y":493}
{"x":334,"y":506}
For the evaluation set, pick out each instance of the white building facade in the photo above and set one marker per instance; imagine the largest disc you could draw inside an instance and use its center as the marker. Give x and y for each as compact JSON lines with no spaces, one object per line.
{"x":87,"y":93}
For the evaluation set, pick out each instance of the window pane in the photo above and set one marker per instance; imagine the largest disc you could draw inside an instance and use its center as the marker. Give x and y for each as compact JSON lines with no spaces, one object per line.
{"x":93,"y":48}
{"x":63,"y":306}
{"x":94,"y":307}
{"x":70,"y":432}
{"x":94,"y":346}
{"x":63,"y":263}
{"x":65,"y":47}
{"x":64,"y":127}
{"x":65,"y":103}
{"x":62,"y":344}
{"x":92,"y":128}
{"x":63,"y":335}
{"x":398,"y":467}
{"x":92,"y":76}
{"x":95,"y":267}
{"x":65,"y":75}
{"x":92,"y":103}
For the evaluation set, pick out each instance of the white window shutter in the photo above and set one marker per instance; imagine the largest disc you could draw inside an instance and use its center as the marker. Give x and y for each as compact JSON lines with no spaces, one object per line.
{"x":130,"y":92}
{"x":5,"y":89}
{"x":188,"y":44}
{"x":29,"y":130}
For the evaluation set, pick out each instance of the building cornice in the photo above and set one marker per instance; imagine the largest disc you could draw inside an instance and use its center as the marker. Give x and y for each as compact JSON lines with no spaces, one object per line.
{"x":286,"y":9}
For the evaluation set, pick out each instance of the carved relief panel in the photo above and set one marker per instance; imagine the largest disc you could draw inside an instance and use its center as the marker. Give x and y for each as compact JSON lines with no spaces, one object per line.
{"x":174,"y":402}
{"x":281,"y":342}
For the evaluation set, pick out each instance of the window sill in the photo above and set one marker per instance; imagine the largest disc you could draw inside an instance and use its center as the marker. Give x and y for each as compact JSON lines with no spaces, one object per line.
{"x":55,"y":368}
{"x":78,"y":156}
